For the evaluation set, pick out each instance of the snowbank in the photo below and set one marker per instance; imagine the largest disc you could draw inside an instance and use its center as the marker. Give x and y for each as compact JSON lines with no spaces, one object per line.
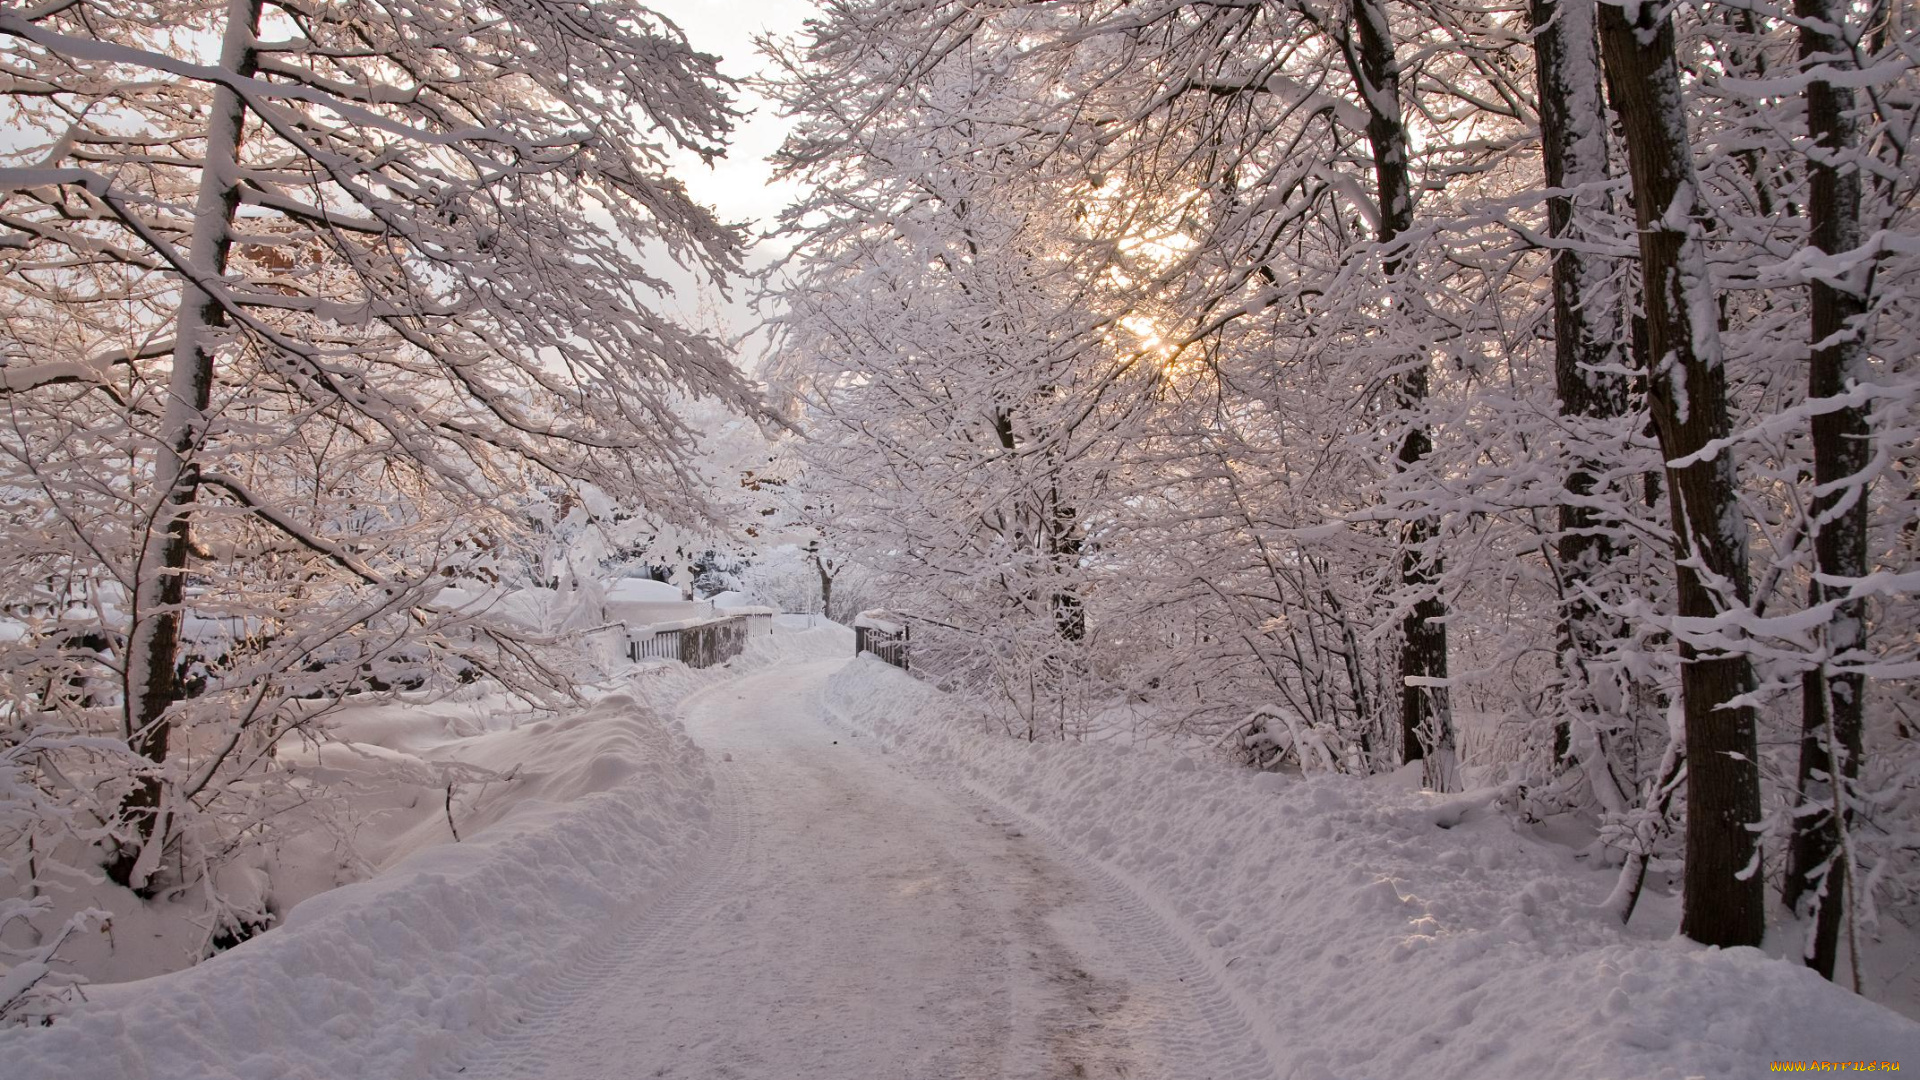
{"x":1380,"y":933}
{"x":383,"y":978}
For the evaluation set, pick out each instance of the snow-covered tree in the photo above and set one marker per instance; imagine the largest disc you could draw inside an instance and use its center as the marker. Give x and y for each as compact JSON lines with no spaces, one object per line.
{"x":953,"y":401}
{"x":300,"y":300}
{"x":1437,"y":333}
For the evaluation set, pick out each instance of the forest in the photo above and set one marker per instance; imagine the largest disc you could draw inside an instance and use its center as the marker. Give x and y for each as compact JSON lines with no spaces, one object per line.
{"x":1522,"y":391}
{"x":1517,"y":400}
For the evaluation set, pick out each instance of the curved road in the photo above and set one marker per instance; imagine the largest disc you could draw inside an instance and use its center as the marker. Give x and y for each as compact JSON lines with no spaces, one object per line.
{"x":851,"y":922}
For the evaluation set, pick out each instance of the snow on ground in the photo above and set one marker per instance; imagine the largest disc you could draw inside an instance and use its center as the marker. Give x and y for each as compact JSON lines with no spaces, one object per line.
{"x":1381,"y":933}
{"x":851,"y":922}
{"x":833,"y":872}
{"x":569,"y":823}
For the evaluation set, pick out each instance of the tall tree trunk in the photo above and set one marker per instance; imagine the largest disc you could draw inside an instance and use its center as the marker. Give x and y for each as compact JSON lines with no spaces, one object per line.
{"x":1426,"y":721}
{"x":819,"y":560}
{"x":153,"y":655}
{"x":1832,"y":701}
{"x":1723,"y":901}
{"x":1063,"y":551}
{"x":1588,"y":324}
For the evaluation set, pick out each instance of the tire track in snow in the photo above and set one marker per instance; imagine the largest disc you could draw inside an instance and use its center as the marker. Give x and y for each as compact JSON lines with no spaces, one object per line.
{"x":1232,"y":1045}
{"x":1217,"y":1038}
{"x":1181,"y":1020}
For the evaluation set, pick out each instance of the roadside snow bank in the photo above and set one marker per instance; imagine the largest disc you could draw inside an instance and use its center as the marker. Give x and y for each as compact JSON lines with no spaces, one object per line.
{"x":1376,"y":933}
{"x":382,"y":978}
{"x":567,"y":823}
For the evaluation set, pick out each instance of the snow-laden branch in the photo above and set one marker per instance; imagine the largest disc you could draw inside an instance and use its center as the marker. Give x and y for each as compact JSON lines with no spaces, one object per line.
{"x":335,"y":553}
{"x":259,"y":93}
{"x":19,"y":378}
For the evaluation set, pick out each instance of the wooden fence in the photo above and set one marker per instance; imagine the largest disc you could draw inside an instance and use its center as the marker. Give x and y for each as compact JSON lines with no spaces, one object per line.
{"x":702,"y":644}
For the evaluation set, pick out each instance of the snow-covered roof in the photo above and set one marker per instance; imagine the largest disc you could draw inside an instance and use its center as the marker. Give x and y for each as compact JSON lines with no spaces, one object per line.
{"x":641,"y":614}
{"x":881,"y":619}
{"x":642,"y":591}
{"x":662,"y":626}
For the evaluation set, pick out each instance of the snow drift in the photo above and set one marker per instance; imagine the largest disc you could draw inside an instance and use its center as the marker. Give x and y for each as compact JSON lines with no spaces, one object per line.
{"x":1381,"y":933}
{"x":383,"y":978}
{"x":386,"y":978}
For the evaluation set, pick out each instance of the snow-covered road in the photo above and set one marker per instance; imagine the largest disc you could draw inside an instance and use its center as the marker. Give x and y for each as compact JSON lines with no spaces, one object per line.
{"x":851,"y":922}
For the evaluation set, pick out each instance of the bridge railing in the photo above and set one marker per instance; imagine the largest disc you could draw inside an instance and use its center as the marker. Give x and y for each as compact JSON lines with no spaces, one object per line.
{"x":700,"y":643}
{"x":884,"y":638}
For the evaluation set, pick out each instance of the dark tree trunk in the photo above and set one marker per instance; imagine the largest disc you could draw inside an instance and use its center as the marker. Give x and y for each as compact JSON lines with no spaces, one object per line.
{"x":153,"y":684}
{"x":827,"y":575}
{"x":1063,"y":542}
{"x":1723,"y":901}
{"x":1589,"y":370}
{"x":1832,"y":701}
{"x":1426,"y":722}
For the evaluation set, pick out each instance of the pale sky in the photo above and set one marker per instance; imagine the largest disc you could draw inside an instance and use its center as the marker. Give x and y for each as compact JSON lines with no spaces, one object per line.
{"x":739,"y":187}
